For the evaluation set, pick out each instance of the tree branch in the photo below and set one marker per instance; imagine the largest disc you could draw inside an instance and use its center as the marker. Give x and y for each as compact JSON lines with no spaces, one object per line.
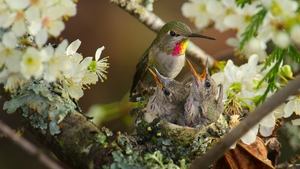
{"x":257,"y":115}
{"x":28,"y":147}
{"x":154,"y":23}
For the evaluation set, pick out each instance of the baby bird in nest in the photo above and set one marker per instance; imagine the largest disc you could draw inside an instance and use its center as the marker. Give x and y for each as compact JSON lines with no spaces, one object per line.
{"x":167,"y":102}
{"x":204,"y":103}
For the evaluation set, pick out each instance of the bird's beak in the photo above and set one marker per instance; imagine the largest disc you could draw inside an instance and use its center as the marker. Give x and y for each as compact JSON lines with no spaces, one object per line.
{"x":205,"y":71}
{"x":203,"y":75}
{"x":156,"y":79}
{"x":192,"y":69}
{"x":195,"y":35}
{"x":200,"y":77}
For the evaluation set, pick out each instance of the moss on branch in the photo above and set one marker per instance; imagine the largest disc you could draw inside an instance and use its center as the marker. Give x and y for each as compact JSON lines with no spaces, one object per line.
{"x":55,"y":120}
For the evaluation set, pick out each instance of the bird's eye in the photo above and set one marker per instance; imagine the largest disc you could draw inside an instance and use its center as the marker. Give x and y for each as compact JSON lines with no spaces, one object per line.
{"x":172,"y":33}
{"x":207,"y":84}
{"x":166,"y":92}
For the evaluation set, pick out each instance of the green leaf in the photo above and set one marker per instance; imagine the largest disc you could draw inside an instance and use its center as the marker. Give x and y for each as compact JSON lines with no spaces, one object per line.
{"x":293,"y":53}
{"x":276,"y":54}
{"x":242,"y":3}
{"x":275,"y":58}
{"x":252,"y":28}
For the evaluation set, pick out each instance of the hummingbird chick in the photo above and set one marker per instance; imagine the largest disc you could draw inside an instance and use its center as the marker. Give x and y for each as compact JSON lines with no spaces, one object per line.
{"x":167,"y":102}
{"x":166,"y":53}
{"x":204,"y":103}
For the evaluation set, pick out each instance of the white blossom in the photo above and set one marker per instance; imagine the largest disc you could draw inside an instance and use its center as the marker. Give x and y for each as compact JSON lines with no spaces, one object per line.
{"x":197,"y":11}
{"x":245,"y":76}
{"x":31,"y":64}
{"x":292,"y":106}
{"x":21,"y":62}
{"x":295,"y":34}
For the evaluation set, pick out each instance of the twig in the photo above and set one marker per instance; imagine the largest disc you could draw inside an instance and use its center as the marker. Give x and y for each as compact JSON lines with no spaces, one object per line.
{"x":28,"y":147}
{"x":257,"y":115}
{"x":286,"y":166}
{"x":154,"y":23}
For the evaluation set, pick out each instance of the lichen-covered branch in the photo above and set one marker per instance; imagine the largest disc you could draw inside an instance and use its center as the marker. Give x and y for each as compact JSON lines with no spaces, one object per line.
{"x":54,"y":118}
{"x":154,"y":23}
{"x":255,"y":117}
{"x":28,"y":147}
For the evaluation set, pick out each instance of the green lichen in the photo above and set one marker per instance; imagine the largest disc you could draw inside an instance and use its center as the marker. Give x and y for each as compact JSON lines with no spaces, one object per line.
{"x":159,"y":145}
{"x":136,"y":160}
{"x":43,"y":103}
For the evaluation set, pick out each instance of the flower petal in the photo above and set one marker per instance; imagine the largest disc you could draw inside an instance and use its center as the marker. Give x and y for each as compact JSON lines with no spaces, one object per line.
{"x":250,"y":136}
{"x":17,"y":4}
{"x":73,"y":47}
{"x":266,"y":131}
{"x":41,"y":38}
{"x":9,"y":39}
{"x":99,"y":52}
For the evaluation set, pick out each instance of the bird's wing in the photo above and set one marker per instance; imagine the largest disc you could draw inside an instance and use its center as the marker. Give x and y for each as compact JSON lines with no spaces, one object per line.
{"x":141,"y":70}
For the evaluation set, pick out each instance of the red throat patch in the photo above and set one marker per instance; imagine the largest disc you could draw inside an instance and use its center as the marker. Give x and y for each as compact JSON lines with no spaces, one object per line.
{"x":180,"y":48}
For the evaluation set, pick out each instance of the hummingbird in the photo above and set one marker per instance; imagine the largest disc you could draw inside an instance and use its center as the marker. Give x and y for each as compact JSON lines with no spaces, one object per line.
{"x":166,"y":53}
{"x":204,"y":103}
{"x":167,"y":101}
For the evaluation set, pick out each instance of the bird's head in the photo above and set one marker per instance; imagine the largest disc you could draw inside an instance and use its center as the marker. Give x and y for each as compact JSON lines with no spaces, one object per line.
{"x":204,"y":87}
{"x":168,"y":88}
{"x":173,"y":38}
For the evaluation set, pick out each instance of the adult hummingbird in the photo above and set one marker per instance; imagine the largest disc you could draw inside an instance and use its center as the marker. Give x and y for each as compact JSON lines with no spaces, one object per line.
{"x":204,"y":103}
{"x":166,"y":53}
{"x":167,"y":101}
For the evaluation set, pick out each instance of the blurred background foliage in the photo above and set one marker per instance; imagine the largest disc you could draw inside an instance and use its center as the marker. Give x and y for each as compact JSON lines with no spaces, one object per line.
{"x":100,"y":23}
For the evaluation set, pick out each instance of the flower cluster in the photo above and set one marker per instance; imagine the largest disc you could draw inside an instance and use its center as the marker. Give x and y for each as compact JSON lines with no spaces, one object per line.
{"x":262,"y":20}
{"x":257,"y":23}
{"x":39,"y":18}
{"x":25,"y":27}
{"x":241,"y":83}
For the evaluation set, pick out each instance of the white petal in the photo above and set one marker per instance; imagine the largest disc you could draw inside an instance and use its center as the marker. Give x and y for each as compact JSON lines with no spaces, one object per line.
{"x":33,"y":14}
{"x":75,"y":91}
{"x":201,"y":22}
{"x":41,"y":38}
{"x":61,"y":48}
{"x":215,"y":8}
{"x":266,"y":131}
{"x":47,"y":52}
{"x":278,"y":112}
{"x":19,"y":28}
{"x":17,"y":4}
{"x":54,"y":12}
{"x":268,"y":121}
{"x":295,"y":34}
{"x":12,"y":61}
{"x":234,"y":42}
{"x":73,"y":47}
{"x":233,"y":21}
{"x":70,"y":7}
{"x":267,"y":3}
{"x":289,"y":108}
{"x":189,"y":9}
{"x":6,"y":19}
{"x":34,"y":27}
{"x":250,"y":136}
{"x":281,"y":39}
{"x":218,"y":77}
{"x":56,"y":28}
{"x":85,"y":63}
{"x":99,"y":52}
{"x":9,"y":40}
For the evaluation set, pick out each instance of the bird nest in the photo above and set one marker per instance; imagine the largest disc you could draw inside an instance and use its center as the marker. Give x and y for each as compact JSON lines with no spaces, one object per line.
{"x":197,"y":139}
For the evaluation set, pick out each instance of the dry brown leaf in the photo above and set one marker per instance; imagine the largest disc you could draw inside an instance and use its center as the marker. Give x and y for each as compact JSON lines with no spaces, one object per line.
{"x":244,"y":156}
